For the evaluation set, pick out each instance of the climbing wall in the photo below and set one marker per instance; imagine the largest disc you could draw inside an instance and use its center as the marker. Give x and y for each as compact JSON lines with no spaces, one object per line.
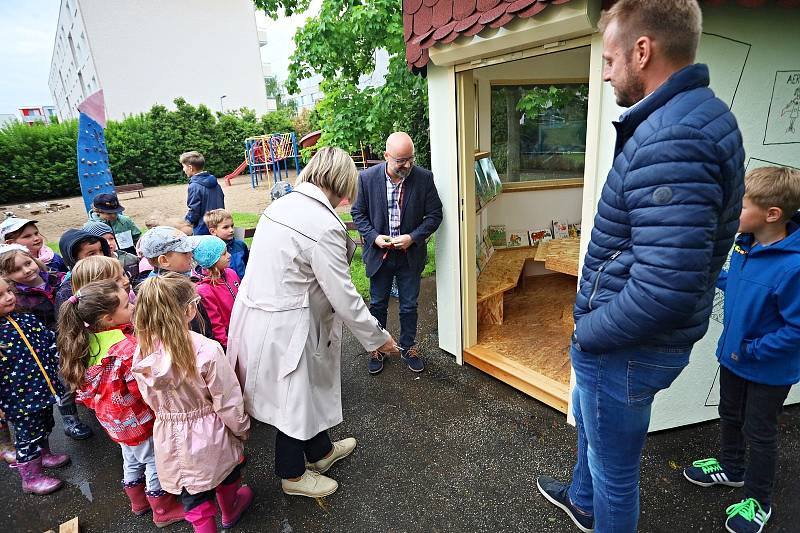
{"x":94,"y":173}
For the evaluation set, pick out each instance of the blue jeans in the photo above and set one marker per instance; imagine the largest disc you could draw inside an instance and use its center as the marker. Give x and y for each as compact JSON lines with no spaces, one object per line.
{"x":380,"y":286}
{"x":611,"y":402}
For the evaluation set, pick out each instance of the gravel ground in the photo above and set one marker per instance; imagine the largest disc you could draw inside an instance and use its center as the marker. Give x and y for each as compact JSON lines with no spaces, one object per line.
{"x":451,"y":449}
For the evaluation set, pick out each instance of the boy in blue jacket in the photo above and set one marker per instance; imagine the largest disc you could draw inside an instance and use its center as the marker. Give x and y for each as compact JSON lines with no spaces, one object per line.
{"x":204,"y":193}
{"x":220,"y":224}
{"x":759,"y":350}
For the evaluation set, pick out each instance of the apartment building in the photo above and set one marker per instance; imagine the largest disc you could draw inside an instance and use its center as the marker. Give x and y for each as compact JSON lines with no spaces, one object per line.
{"x":150,"y":52}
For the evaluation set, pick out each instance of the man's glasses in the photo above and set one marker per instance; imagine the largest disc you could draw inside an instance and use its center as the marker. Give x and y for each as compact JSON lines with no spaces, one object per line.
{"x":404,"y":160}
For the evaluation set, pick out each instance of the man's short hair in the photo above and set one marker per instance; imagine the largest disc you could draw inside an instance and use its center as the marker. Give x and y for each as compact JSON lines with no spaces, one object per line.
{"x":332,"y":169}
{"x":774,"y":187}
{"x":194,"y":159}
{"x":674,"y":24}
{"x":215,"y":217}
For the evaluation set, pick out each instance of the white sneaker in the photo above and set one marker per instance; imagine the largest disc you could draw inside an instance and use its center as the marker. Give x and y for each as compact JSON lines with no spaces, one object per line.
{"x":310,"y":484}
{"x":341,"y":449}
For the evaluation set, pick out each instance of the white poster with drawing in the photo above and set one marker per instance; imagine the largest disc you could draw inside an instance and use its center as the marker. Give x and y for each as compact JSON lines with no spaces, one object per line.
{"x":783,"y":120}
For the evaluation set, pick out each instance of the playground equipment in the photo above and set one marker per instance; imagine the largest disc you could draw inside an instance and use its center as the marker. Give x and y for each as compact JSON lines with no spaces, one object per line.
{"x":266,"y":157}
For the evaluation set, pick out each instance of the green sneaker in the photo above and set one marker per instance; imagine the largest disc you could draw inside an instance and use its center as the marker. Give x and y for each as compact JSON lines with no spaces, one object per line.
{"x":708,"y":472}
{"x":747,"y":516}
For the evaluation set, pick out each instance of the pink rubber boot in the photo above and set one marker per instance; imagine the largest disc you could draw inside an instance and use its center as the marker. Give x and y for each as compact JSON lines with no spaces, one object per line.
{"x":233,"y":500}
{"x":52,"y":460}
{"x":203,"y":517}
{"x":33,"y":480}
{"x":7,"y":451}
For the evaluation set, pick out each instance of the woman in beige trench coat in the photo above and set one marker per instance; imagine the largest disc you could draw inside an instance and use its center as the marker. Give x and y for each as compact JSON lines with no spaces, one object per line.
{"x":285,"y":333}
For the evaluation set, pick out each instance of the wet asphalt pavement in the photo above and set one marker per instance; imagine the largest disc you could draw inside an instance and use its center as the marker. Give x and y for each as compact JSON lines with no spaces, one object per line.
{"x":451,"y":449}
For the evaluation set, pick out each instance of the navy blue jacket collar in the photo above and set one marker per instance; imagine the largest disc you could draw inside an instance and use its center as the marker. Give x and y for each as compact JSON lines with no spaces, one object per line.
{"x":685,"y":79}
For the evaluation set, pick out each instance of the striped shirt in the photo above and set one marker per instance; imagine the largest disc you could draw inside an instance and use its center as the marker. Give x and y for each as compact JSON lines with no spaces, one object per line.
{"x":394,"y":196}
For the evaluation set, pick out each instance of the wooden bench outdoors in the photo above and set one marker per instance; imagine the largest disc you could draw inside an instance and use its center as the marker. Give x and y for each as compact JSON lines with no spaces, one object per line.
{"x":505,"y":268}
{"x":351,"y":226}
{"x":130,"y":187}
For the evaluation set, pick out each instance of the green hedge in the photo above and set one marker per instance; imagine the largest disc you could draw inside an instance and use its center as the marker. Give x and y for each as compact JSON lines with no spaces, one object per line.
{"x":39,"y":162}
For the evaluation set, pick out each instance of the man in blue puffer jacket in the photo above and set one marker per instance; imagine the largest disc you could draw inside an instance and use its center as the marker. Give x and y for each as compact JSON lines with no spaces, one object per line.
{"x":666,"y":219}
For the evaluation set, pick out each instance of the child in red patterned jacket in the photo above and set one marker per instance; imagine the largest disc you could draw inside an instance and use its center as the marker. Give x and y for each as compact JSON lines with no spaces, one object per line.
{"x":97,"y":346}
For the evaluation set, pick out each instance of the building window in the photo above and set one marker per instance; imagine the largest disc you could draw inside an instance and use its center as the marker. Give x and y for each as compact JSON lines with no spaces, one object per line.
{"x":539,"y":131}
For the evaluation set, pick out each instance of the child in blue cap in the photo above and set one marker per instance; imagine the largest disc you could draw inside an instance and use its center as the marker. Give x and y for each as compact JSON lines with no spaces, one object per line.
{"x":218,"y":285}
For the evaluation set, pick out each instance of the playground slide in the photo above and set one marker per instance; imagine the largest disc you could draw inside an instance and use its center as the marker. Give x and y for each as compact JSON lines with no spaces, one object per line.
{"x":236,"y":172}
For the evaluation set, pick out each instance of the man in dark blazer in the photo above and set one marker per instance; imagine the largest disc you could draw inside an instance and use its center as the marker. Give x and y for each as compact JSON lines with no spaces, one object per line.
{"x":396,"y":210}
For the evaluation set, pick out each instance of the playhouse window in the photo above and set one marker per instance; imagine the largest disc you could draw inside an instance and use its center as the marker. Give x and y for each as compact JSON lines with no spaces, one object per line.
{"x":539,"y":131}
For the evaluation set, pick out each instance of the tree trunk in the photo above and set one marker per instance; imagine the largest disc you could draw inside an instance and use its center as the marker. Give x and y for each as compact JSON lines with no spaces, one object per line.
{"x":513,"y":116}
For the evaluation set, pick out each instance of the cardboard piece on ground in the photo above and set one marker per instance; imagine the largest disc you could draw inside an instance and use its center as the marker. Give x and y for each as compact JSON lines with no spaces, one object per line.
{"x":70,"y":527}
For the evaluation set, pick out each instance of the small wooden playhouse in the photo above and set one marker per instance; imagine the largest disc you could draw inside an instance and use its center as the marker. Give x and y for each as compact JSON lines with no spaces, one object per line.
{"x":516,"y":86}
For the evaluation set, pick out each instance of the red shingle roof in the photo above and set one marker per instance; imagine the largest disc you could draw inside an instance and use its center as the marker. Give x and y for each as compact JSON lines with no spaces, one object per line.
{"x":430,"y":22}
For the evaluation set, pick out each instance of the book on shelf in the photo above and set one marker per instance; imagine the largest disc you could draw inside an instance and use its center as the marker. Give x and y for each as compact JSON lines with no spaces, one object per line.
{"x":497,"y":235}
{"x":484,"y":249}
{"x":560,"y":229}
{"x":480,"y":187}
{"x":492,"y":177}
{"x":517,"y":239}
{"x":535,"y":236}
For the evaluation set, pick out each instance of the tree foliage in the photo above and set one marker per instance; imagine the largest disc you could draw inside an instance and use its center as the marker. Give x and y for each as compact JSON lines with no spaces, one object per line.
{"x":39,"y":162}
{"x":341,"y":45}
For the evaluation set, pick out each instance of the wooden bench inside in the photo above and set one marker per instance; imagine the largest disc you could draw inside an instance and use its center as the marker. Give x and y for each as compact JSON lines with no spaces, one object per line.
{"x":130,"y":187}
{"x":504,"y":271}
{"x":501,"y":274}
{"x":560,"y":255}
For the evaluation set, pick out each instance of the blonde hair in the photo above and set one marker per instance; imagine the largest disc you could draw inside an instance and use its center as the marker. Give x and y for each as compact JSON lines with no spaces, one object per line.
{"x":215,"y":217}
{"x":8,"y":262}
{"x":193,"y":159}
{"x":674,"y":24}
{"x":159,"y":318}
{"x":88,"y":306}
{"x":94,"y":268}
{"x":332,"y":169}
{"x":774,"y":187}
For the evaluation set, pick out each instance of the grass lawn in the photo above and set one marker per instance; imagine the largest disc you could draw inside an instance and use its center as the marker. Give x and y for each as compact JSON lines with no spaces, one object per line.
{"x":357,"y":269}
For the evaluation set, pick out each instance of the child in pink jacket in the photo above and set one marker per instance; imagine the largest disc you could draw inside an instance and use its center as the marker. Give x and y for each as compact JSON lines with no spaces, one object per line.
{"x":201,"y":424}
{"x":218,"y":285}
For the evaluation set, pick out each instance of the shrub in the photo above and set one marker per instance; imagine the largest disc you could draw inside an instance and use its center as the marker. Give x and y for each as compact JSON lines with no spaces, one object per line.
{"x":39,"y":162}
